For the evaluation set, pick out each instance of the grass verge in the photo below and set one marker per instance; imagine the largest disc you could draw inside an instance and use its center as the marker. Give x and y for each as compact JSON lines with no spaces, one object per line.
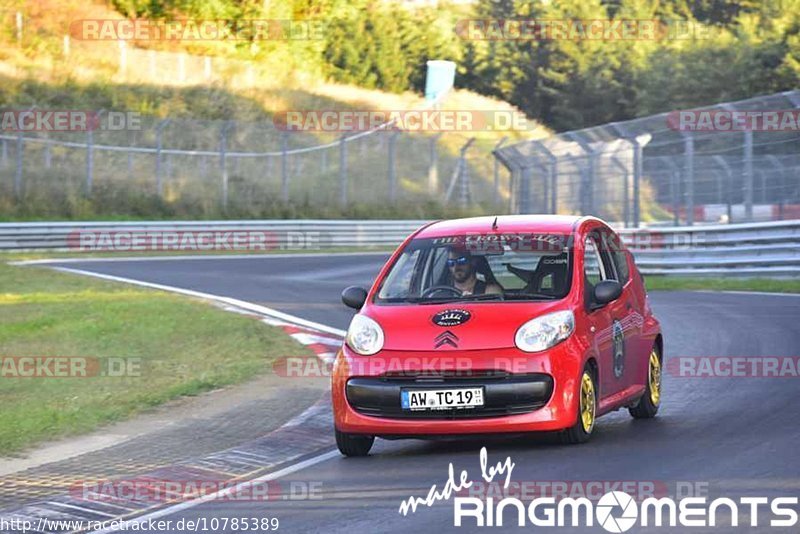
{"x":723,"y":284}
{"x":183,"y":346}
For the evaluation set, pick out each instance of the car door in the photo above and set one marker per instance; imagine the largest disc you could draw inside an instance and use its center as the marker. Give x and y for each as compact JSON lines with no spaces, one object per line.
{"x":599,"y":318}
{"x":623,"y":314}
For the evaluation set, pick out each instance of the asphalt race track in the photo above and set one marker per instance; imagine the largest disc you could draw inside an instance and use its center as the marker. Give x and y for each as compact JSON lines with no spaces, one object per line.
{"x":727,"y":436}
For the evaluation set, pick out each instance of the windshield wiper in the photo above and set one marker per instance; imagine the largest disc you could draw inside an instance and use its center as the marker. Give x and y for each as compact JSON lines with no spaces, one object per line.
{"x":466,"y":298}
{"x":527,"y":296}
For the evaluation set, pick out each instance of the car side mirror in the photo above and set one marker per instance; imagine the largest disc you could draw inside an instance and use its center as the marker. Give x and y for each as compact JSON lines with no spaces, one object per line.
{"x":607,"y":291}
{"x":354,"y":297}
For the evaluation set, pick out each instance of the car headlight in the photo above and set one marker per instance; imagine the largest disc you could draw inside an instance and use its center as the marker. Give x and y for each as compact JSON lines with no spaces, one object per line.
{"x":364,"y":335}
{"x":544,"y":332}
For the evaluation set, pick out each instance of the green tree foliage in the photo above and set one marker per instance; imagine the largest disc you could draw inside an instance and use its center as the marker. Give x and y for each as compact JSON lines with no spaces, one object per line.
{"x":747,"y":47}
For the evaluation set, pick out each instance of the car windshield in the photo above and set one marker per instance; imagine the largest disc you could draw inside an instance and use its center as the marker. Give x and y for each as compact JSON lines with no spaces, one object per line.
{"x":490,"y":267}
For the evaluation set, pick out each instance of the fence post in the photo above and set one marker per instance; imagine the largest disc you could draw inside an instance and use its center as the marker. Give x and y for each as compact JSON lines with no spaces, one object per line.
{"x":460,"y":176}
{"x":132,"y":142}
{"x":182,"y":67}
{"x":392,"y":167}
{"x":728,"y":200}
{"x":674,"y":186}
{"x":638,"y":169}
{"x":284,"y":166}
{"x":496,"y":195}
{"x":688,"y":151}
{"x":4,"y":154}
{"x":89,"y":161}
{"x":151,"y":63}
{"x":587,"y":173}
{"x":19,"y":26}
{"x":513,"y":170}
{"x":18,"y":173}
{"x":343,"y":171}
{"x":159,"y":144}
{"x":48,"y":156}
{"x":123,"y":57}
{"x":748,"y":175}
{"x":223,"y":142}
{"x":433,"y":164}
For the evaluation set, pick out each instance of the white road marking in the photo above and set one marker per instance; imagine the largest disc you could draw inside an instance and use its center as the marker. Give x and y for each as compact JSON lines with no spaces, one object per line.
{"x":758,"y":293}
{"x":222,"y":493}
{"x":249,"y":306}
{"x":255,"y":308}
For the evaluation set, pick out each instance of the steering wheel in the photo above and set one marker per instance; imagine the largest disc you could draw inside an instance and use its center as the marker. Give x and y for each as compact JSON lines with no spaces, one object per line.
{"x":455,"y":292}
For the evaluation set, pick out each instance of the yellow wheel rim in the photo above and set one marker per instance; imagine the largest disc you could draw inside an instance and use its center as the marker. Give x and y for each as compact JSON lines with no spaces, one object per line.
{"x":587,"y":403}
{"x":655,"y":378}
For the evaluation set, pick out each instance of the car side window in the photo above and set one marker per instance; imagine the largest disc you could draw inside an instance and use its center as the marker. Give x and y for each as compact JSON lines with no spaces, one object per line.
{"x":619,"y":257}
{"x":593,"y":269}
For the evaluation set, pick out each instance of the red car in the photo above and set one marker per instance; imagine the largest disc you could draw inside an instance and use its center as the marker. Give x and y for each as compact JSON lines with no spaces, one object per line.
{"x":494,"y":325}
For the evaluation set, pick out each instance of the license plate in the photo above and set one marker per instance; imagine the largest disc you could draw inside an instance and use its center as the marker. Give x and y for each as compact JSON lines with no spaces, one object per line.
{"x":441,"y":399}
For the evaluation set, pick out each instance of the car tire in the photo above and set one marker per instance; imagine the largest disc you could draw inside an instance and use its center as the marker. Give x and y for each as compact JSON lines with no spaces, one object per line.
{"x":353,"y":444}
{"x":581,"y":431}
{"x":648,"y":404}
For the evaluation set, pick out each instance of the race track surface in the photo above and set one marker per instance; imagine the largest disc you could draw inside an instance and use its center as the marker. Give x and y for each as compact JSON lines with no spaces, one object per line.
{"x":733,"y":436}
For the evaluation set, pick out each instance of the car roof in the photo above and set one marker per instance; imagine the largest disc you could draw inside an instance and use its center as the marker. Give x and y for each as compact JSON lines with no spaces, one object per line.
{"x":546,"y":224}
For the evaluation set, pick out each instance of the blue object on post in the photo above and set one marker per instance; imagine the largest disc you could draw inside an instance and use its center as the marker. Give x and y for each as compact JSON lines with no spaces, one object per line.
{"x":439,"y":78}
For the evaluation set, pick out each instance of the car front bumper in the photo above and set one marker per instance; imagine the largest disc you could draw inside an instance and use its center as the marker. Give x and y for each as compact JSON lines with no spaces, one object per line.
{"x":522,"y":392}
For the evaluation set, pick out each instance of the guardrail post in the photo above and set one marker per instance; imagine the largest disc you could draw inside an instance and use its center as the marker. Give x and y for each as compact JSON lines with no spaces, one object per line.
{"x":18,"y":173}
{"x":159,"y":144}
{"x":343,"y":171}
{"x":748,"y":175}
{"x":392,"y":167}
{"x":496,"y":195}
{"x":433,"y":164}
{"x":285,"y":166}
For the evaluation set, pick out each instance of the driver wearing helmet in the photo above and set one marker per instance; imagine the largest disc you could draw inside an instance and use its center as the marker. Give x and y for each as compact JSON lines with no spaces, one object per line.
{"x":463,"y":269}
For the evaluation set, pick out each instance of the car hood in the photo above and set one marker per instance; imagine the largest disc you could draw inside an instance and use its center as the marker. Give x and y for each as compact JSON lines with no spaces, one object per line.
{"x":488,"y":326}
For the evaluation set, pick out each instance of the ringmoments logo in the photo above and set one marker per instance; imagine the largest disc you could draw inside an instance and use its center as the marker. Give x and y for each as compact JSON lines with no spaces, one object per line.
{"x":615,"y":511}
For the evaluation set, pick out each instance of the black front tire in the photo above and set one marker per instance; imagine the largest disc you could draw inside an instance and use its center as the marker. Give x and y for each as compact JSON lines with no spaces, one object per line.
{"x":353,"y":444}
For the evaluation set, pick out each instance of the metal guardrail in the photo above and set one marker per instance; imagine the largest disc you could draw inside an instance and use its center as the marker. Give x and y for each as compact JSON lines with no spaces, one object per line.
{"x":755,"y":249}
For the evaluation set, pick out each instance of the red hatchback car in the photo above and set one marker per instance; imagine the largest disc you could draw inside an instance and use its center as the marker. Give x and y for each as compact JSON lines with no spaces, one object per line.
{"x":494,"y":325}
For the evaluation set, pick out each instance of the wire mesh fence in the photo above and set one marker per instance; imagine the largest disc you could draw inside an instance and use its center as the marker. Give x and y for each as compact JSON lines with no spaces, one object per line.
{"x":730,"y":162}
{"x":247,"y":167}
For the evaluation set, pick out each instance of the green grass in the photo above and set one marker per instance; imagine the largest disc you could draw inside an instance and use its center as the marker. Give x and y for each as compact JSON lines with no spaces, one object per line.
{"x":723,"y":284}
{"x":186,"y":347}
